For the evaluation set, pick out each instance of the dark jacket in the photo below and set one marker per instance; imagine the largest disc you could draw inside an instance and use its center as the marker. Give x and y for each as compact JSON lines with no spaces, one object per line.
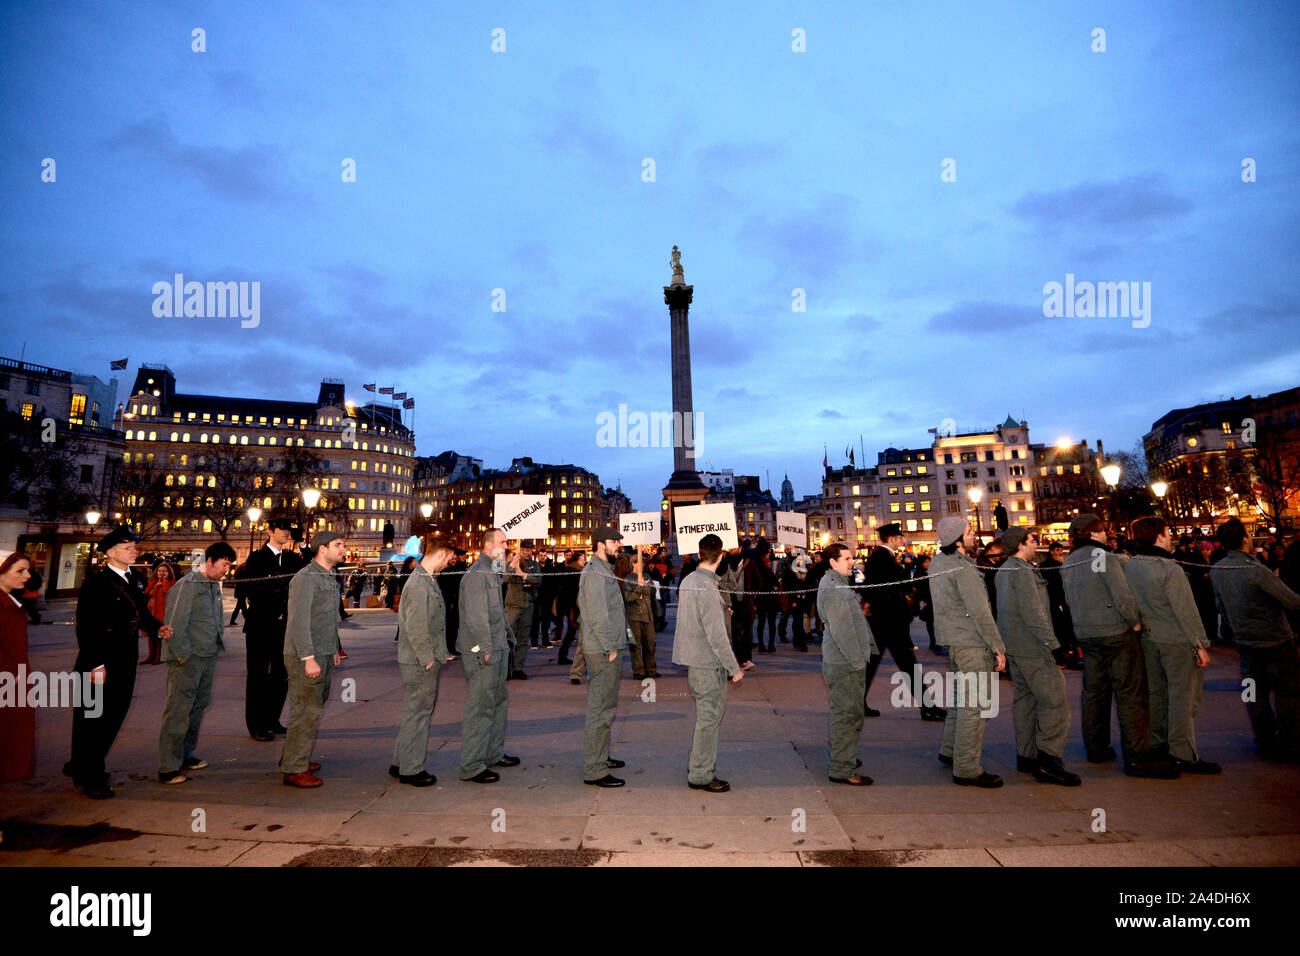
{"x":268,"y":599}
{"x":111,"y":613}
{"x":890,"y":611}
{"x":1254,"y":600}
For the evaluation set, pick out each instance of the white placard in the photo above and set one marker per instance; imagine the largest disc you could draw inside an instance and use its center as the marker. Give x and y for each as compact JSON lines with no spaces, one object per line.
{"x":792,"y":528}
{"x":639,"y":527}
{"x":695,"y":521}
{"x":522,"y":516}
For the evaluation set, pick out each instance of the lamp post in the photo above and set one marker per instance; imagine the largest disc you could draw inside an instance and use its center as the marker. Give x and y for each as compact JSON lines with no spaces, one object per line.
{"x":1161,"y":489}
{"x":310,"y":496}
{"x":976,"y":493}
{"x":92,"y":518}
{"x":254,"y":516}
{"x":1110,"y":474}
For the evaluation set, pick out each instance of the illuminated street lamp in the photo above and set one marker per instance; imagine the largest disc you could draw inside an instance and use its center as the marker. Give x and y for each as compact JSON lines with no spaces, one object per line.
{"x":309,"y":498}
{"x":976,"y":493}
{"x":426,"y":509}
{"x":1110,"y":474}
{"x":254,"y":516}
{"x":92,"y":517}
{"x":1161,"y":489}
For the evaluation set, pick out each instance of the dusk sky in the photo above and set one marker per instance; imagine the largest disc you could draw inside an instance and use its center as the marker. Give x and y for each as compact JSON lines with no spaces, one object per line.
{"x":774,"y":170}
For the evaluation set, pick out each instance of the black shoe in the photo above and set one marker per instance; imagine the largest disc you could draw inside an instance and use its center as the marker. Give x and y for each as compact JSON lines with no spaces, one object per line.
{"x":1197,"y":766}
{"x":801,"y":648}
{"x":857,"y":780}
{"x":262,"y":736}
{"x":654,"y":674}
{"x":394,"y":771}
{"x":609,"y":780}
{"x":1103,"y":756}
{"x":345,"y":615}
{"x":99,"y":791}
{"x":172,"y":777}
{"x":934,"y":713}
{"x":713,"y":786}
{"x":988,"y":781}
{"x":279,"y":729}
{"x":564,"y":660}
{"x":518,"y":675}
{"x":1026,"y":764}
{"x":613,"y":764}
{"x":946,"y":761}
{"x":421,"y":779}
{"x":484,"y":776}
{"x":638,"y":676}
{"x":1051,"y":770}
{"x":1152,"y":769}
{"x":193,"y":763}
{"x":574,"y":680}
{"x":507,"y":761}
{"x":67,"y":769}
{"x":870,"y":712}
{"x":857,"y":763}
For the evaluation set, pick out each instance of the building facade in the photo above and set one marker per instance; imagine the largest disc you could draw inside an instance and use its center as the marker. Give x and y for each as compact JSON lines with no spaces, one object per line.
{"x":61,"y":461}
{"x":993,"y":462}
{"x":195,"y":464}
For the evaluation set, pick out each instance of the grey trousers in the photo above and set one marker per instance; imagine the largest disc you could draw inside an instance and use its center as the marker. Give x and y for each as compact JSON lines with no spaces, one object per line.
{"x":1275,"y":673}
{"x":419,"y":696}
{"x":189,"y":691}
{"x":579,"y":661}
{"x":963,"y":729}
{"x":1113,"y":668}
{"x":709,"y":685}
{"x":1175,"y":687}
{"x":846,"y":686}
{"x":602,"y":702}
{"x":520,"y":622}
{"x":483,"y":731}
{"x":1042,"y":714}
{"x":643,"y":648}
{"x":307,"y":698}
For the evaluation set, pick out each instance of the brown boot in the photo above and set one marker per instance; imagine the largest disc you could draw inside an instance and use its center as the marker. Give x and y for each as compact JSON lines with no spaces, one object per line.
{"x":304,"y":780}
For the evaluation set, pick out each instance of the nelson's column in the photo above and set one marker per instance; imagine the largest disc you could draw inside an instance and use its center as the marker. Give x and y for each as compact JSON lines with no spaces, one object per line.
{"x":684,"y":487}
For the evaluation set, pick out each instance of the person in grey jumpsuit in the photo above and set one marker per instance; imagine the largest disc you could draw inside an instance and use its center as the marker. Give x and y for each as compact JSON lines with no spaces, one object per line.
{"x":1174,"y":646}
{"x":702,"y":644}
{"x":963,"y":622}
{"x":523,"y":581}
{"x":196,"y":617}
{"x":604,"y":634}
{"x":1041,"y":711}
{"x":421,"y":652}
{"x":485,"y":654}
{"x":847,"y":648}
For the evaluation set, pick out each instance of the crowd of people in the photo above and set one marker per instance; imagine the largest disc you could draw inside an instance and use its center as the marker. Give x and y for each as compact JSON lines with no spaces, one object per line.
{"x":1129,"y":612}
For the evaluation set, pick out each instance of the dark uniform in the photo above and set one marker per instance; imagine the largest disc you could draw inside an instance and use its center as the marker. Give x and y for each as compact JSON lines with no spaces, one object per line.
{"x":267,"y":684}
{"x":891,"y":620}
{"x":111,"y":612}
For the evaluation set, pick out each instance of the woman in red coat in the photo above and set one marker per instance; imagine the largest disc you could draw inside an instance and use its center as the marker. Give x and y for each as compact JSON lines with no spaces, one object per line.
{"x":17,"y":724}
{"x":155,"y":593}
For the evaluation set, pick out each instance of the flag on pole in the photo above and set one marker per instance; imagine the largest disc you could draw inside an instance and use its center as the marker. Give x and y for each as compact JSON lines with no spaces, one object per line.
{"x":386,"y":390}
{"x":119,"y":364}
{"x":370,"y":387}
{"x":851,"y":461}
{"x":398,"y":396}
{"x":409,"y":403}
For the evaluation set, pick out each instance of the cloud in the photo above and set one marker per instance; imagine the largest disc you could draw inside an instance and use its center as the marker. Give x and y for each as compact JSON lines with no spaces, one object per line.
{"x":830,"y":413}
{"x":812,"y":244}
{"x":250,"y":173}
{"x":979,"y":318}
{"x":1135,"y":202}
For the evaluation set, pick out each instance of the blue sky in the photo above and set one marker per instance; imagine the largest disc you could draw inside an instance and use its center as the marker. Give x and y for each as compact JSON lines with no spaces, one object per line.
{"x":775,"y":170}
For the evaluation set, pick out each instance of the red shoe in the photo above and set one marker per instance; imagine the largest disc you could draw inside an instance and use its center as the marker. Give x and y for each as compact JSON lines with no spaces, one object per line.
{"x":304,"y":780}
{"x":343,"y":655}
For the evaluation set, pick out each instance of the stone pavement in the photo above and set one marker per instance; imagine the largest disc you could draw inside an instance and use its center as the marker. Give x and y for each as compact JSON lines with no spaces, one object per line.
{"x":782,"y":810}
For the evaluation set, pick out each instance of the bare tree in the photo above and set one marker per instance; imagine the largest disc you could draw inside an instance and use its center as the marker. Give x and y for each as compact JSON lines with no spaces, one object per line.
{"x":142,"y":497}
{"x":1275,"y":470}
{"x":224,"y":482}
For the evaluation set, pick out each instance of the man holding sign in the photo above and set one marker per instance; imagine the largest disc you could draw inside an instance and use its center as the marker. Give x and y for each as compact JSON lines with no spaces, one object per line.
{"x":604,"y":633}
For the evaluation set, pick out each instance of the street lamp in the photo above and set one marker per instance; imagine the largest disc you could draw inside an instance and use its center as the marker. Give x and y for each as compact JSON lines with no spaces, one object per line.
{"x":1161,"y":489}
{"x":1110,"y":475}
{"x":976,"y":493}
{"x":254,"y":516}
{"x":92,"y":517}
{"x":426,"y":509}
{"x":309,"y":498}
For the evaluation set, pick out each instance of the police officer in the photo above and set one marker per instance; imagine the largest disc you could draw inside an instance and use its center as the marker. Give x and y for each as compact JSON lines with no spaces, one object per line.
{"x":701,"y":644}
{"x":1174,"y":645}
{"x":421,"y":652}
{"x":311,"y":651}
{"x":267,"y":574}
{"x":1106,"y":622}
{"x":1042,"y":714}
{"x":195,"y":615}
{"x":847,"y":646}
{"x":485,"y":655}
{"x":111,"y":613}
{"x":604,"y":634}
{"x":963,"y":622}
{"x":523,"y":582}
